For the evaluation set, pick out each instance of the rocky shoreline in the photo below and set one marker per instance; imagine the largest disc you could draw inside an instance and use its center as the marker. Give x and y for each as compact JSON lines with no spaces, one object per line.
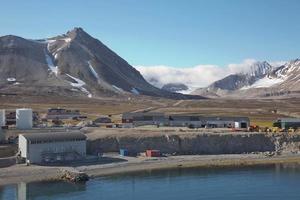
{"x":22,"y":173}
{"x":184,"y":149}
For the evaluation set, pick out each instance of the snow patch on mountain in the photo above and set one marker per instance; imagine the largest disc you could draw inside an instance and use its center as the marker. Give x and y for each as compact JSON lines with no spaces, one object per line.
{"x":117,"y":88}
{"x":49,"y":43}
{"x":79,"y":84}
{"x":67,"y":39}
{"x":135,"y":91}
{"x":11,"y":79}
{"x":52,"y":67}
{"x":264,"y":83}
{"x":93,"y":71}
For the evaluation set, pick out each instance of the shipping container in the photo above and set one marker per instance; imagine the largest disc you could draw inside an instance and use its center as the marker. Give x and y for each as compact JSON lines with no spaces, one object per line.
{"x":153,"y":153}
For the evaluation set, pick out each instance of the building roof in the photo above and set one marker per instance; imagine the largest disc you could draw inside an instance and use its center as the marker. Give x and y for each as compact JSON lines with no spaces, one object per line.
{"x":54,"y":137}
{"x":203,"y":118}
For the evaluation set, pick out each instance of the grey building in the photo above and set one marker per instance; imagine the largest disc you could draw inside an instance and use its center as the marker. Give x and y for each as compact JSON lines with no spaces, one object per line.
{"x":52,"y":147}
{"x":212,"y":122}
{"x":144,"y":118}
{"x":196,"y":121}
{"x":60,"y":113}
{"x":286,"y":123}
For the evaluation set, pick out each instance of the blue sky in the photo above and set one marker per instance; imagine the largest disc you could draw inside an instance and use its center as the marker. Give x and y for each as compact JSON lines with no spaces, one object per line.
{"x":178,"y":33}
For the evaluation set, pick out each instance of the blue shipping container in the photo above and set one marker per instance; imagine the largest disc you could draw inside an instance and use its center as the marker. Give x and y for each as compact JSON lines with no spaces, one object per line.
{"x":123,"y":152}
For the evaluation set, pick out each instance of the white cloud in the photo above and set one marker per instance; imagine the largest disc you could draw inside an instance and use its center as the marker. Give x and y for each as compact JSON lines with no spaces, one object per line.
{"x":197,"y":76}
{"x":194,"y":77}
{"x":277,"y":63}
{"x":243,"y":67}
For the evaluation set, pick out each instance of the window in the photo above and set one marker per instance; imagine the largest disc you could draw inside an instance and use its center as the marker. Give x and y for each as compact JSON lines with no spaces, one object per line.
{"x":243,"y":125}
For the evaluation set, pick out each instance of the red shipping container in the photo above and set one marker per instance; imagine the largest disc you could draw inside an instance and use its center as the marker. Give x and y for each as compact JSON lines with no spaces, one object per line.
{"x":153,"y":153}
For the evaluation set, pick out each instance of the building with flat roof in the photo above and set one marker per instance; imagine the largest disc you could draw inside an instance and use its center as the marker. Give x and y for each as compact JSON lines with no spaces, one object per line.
{"x":286,"y":123}
{"x":52,"y":147}
{"x":61,"y":113}
{"x":211,"y":122}
{"x":181,"y":120}
{"x":144,"y":118}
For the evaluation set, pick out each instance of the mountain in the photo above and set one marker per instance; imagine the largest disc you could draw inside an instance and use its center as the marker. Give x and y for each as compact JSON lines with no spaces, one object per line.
{"x":261,"y":80}
{"x":175,"y":87}
{"x":73,"y":63}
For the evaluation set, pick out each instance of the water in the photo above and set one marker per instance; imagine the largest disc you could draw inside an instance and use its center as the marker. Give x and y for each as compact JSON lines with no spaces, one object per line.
{"x":269,"y":182}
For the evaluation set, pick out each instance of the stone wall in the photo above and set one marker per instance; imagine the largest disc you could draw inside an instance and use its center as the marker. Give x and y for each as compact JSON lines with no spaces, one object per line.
{"x":288,"y":143}
{"x":190,"y":143}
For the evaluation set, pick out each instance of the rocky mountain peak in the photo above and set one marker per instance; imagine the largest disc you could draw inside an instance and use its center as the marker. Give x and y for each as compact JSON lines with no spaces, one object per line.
{"x":12,"y":41}
{"x":258,"y":69}
{"x":77,"y":33}
{"x":74,"y":63}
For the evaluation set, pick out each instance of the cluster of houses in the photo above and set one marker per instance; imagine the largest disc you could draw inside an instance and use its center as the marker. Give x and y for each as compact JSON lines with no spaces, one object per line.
{"x":61,"y":113}
{"x":191,"y":121}
{"x":21,"y":118}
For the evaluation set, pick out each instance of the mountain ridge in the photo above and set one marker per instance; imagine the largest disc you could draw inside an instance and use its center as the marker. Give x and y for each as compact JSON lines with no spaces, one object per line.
{"x":268,"y":81}
{"x":73,"y":62}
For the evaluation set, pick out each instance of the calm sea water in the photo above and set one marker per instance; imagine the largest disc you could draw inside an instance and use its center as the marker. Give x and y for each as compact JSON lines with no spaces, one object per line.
{"x":269,"y":182}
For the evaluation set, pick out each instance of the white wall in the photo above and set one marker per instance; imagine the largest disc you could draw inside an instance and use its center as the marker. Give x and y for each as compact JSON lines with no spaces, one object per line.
{"x":24,"y":118}
{"x":35,"y":150}
{"x":23,"y":146}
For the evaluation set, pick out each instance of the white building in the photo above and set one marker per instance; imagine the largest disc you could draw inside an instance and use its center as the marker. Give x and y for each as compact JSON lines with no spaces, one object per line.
{"x":52,"y":147}
{"x":2,"y":118}
{"x":24,"y":118}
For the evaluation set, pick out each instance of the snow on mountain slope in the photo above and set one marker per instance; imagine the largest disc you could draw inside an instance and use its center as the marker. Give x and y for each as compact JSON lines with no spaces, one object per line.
{"x":264,"y":83}
{"x":261,"y":80}
{"x":77,"y":83}
{"x":52,"y":67}
{"x":93,"y":71}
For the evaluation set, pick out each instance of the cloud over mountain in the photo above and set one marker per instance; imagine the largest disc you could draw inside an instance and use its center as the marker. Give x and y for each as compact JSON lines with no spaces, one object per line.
{"x":194,"y":77}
